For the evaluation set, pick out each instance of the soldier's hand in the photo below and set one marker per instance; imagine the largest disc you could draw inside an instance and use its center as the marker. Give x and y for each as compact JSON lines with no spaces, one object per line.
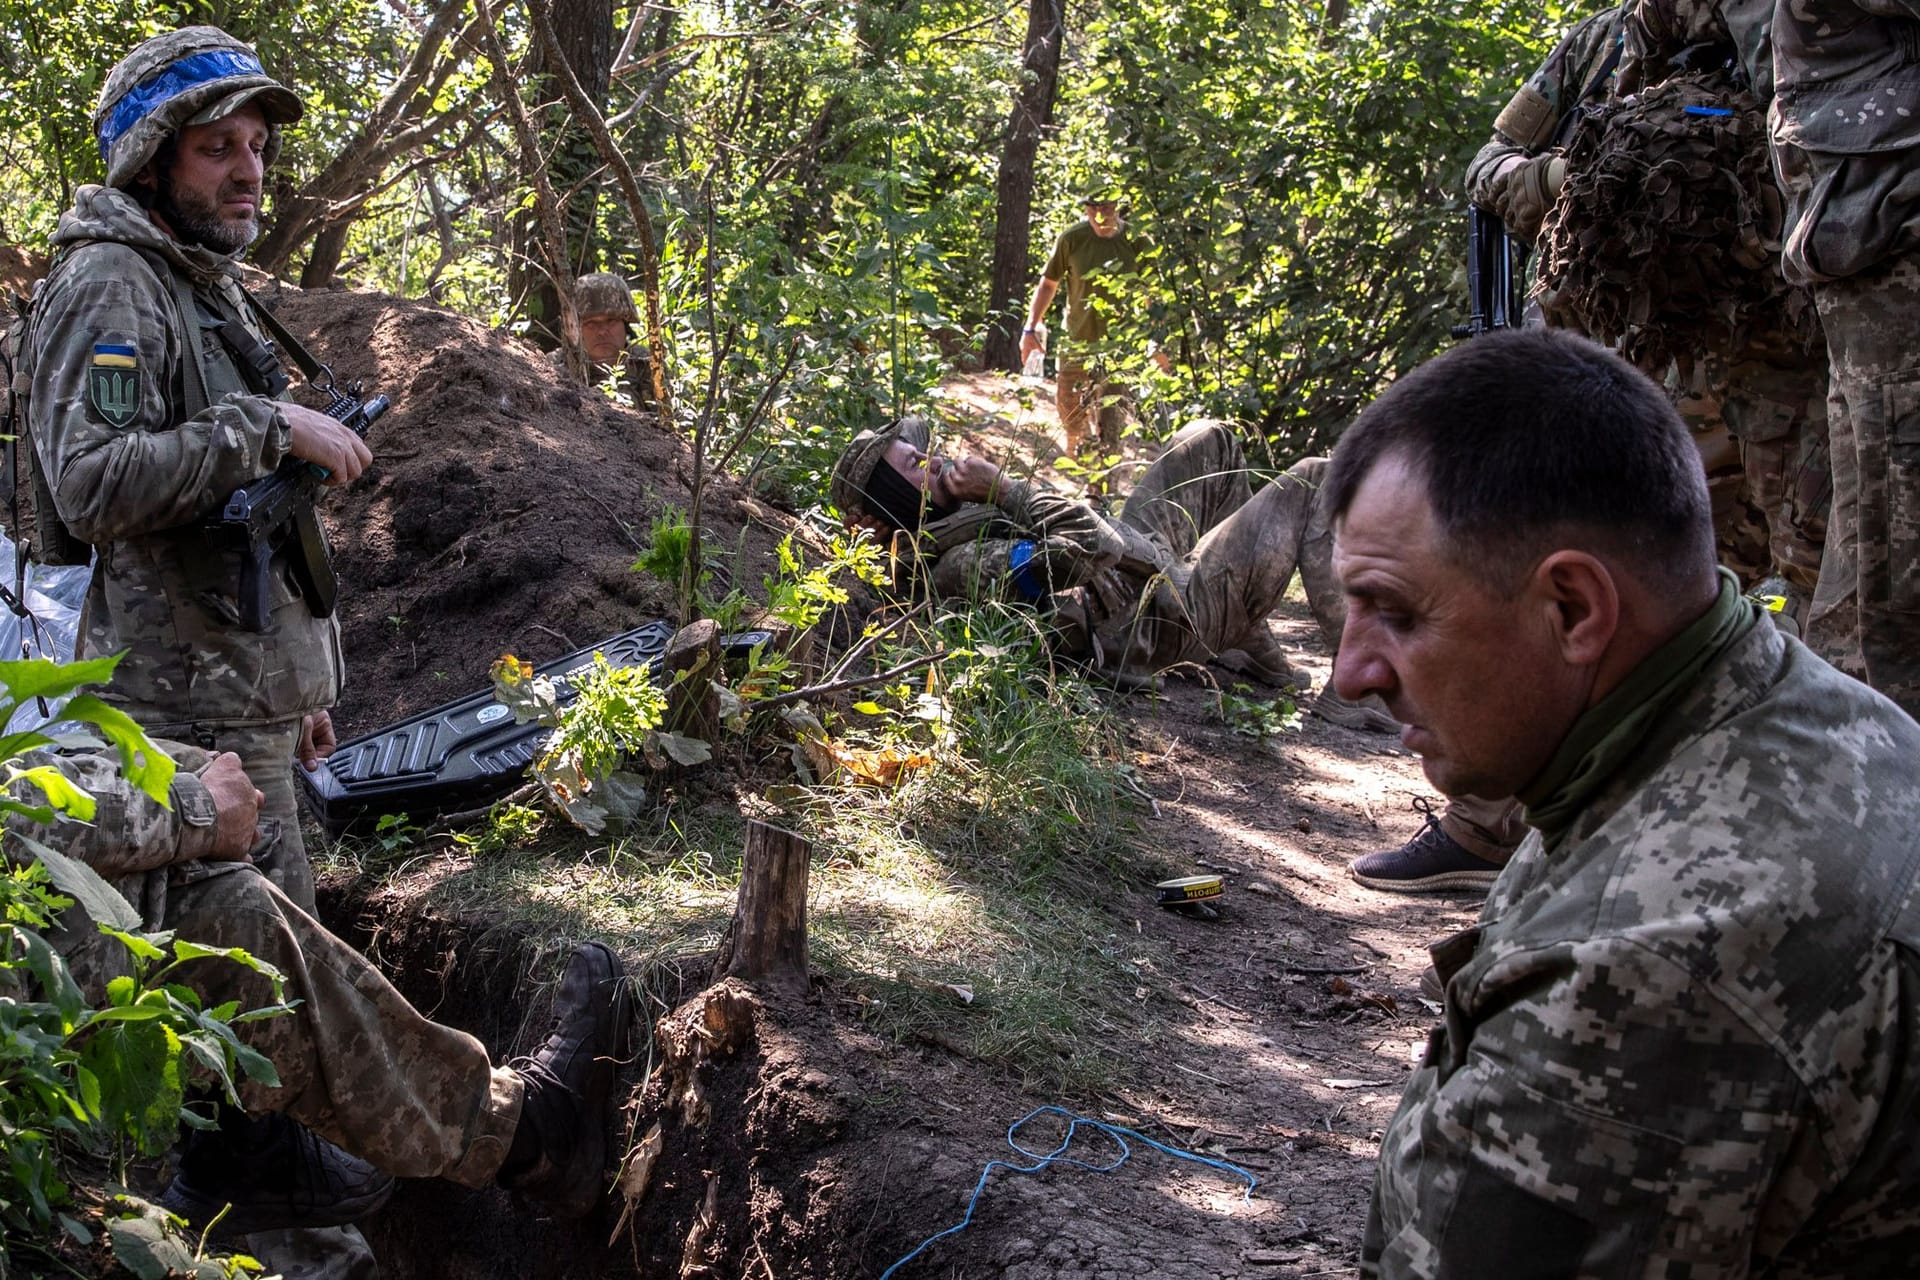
{"x":1029,"y":343}
{"x":316,"y":740}
{"x":318,"y":439}
{"x":236,"y":808}
{"x":970,"y":479}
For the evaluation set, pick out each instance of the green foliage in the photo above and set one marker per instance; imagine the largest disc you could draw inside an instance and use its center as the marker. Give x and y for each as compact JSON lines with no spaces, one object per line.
{"x":800,"y":597}
{"x":614,"y":717}
{"x":1253,"y":714}
{"x":112,"y":1077}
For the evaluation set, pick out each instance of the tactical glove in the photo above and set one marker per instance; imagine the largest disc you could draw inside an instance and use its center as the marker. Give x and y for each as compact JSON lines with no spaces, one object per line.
{"x":1532,"y":187}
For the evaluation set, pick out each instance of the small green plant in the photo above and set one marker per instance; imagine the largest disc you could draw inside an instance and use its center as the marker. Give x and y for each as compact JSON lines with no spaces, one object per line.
{"x":614,"y":717}
{"x":393,"y":833}
{"x":1255,"y":715}
{"x":509,"y":826}
{"x":114,"y":1077}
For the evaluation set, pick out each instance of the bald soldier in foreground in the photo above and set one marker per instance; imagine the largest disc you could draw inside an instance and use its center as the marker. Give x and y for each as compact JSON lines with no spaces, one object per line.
{"x":1684,"y":1039}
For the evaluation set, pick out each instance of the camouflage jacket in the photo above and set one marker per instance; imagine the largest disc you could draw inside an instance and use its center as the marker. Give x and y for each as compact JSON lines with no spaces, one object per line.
{"x":1846,"y":134}
{"x":1531,"y":122}
{"x":134,"y":476}
{"x":1658,"y":30}
{"x":1687,"y":1042}
{"x":1035,"y":545}
{"x":137,"y":846}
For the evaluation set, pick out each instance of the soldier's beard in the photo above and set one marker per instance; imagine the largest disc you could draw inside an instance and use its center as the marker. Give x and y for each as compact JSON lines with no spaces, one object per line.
{"x":197,"y":221}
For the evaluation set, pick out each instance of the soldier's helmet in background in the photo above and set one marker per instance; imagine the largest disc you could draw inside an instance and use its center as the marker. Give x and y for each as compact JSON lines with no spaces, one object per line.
{"x":604,"y":294}
{"x":195,"y":75}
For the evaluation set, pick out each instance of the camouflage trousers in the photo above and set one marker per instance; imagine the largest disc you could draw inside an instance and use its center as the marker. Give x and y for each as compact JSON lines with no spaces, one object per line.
{"x":1759,"y":421}
{"x":1233,"y":551}
{"x":358,"y":1065}
{"x":1488,"y":829}
{"x":266,"y":752}
{"x":1085,"y":397}
{"x":1866,"y":609}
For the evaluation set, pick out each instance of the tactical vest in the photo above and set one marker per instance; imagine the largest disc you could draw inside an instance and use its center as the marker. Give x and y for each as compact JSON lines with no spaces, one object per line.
{"x":170,"y":596}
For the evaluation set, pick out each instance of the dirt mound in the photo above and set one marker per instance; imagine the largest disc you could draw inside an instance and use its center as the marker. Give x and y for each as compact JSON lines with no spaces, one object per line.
{"x":503,"y":509}
{"x":19,"y":268}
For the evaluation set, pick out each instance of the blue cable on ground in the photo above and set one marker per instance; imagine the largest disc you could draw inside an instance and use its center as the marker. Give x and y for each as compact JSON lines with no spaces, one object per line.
{"x":1059,"y":1155}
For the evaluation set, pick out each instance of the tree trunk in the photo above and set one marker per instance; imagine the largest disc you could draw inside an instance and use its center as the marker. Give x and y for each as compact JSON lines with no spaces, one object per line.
{"x":584,"y":31}
{"x":328,"y":248}
{"x":1013,"y":204}
{"x":767,"y":940}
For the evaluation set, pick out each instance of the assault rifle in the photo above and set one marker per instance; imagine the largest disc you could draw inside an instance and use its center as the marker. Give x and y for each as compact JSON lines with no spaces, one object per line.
{"x":1495,"y":265}
{"x":276,"y":514}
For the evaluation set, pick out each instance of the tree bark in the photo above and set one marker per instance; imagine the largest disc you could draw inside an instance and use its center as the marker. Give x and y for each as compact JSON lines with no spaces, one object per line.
{"x":1013,"y":202}
{"x":582,"y":46}
{"x":767,"y":941}
{"x":328,"y":248}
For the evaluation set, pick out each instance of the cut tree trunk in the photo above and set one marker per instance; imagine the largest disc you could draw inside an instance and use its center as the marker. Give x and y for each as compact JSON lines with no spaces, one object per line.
{"x":767,"y":941}
{"x":1013,"y":199}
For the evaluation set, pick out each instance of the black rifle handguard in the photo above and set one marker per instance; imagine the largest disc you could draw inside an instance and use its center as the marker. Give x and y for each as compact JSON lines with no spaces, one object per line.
{"x":276,"y":514}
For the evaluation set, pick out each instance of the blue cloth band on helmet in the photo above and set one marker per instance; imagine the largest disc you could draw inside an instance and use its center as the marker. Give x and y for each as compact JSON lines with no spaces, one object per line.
{"x":172,"y":81}
{"x":1025,"y":574}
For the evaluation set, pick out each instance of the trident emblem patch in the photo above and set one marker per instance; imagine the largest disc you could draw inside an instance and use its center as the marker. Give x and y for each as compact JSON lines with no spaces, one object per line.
{"x":113,"y":382}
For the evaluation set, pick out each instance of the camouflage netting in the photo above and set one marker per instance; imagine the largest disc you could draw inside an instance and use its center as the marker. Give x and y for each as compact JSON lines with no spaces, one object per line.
{"x":1665,"y":239}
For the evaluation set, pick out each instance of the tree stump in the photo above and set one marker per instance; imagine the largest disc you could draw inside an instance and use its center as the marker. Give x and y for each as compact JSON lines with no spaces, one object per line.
{"x":767,"y":941}
{"x":692,"y":707}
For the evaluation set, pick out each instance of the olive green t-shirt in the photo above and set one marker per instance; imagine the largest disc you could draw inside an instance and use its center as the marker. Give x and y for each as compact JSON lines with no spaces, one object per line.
{"x":1082,"y":258}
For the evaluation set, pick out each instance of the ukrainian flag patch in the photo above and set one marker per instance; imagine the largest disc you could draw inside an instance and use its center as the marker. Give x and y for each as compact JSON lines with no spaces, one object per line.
{"x":113,"y":380}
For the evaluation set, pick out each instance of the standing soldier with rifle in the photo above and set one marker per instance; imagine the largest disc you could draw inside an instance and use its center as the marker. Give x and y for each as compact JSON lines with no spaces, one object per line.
{"x":154,"y":396}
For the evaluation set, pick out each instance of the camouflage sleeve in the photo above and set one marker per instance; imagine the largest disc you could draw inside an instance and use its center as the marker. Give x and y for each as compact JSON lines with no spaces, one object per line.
{"x":129,"y":832}
{"x":118,"y":461}
{"x":1019,"y":570}
{"x":1526,"y":126}
{"x":1656,"y":30}
{"x":1608,"y":1113}
{"x":1056,"y":518}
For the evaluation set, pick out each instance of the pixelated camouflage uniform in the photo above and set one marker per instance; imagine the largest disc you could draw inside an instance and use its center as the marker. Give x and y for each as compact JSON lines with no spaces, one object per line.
{"x":1846,"y":140}
{"x":1191,"y":568}
{"x":1680,"y":1041}
{"x":138,"y":489}
{"x":358,"y":1064}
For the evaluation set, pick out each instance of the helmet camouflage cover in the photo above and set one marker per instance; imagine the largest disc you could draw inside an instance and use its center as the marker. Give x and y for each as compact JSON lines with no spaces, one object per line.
{"x":195,"y":75}
{"x":863,"y":453}
{"x":604,"y":294}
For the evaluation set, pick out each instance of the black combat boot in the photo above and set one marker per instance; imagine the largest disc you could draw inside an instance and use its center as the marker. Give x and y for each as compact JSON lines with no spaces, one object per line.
{"x":558,"y":1160}
{"x":274,"y":1173}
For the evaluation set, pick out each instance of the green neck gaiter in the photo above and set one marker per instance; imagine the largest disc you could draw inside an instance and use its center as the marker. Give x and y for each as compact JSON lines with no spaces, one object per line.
{"x":1608,"y":734}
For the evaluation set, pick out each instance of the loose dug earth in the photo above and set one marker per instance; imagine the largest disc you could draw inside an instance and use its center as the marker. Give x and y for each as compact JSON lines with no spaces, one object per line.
{"x":1276,"y":1037}
{"x":503,"y":511}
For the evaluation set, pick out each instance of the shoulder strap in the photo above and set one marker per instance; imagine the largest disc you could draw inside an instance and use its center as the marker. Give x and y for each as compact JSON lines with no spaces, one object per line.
{"x":309,"y":367}
{"x":193,"y":395}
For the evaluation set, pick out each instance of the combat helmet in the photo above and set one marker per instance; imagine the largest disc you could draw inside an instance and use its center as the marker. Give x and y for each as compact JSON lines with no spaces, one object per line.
{"x":195,"y":75}
{"x":604,"y":294}
{"x":848,"y":487}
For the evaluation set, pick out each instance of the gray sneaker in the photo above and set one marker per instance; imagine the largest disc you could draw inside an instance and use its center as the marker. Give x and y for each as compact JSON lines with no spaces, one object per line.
{"x":1431,"y":862}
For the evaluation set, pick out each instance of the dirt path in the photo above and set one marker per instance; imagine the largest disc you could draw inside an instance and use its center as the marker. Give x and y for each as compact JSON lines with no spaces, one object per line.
{"x":1298,"y":1013}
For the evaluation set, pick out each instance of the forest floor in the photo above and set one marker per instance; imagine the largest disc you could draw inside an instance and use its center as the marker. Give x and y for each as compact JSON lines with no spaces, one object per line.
{"x":1274,"y":1037}
{"x":962,"y":975}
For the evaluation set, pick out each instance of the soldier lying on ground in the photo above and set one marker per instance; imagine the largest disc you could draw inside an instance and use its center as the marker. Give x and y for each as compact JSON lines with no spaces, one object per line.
{"x":1680,"y":1041}
{"x":358,"y":1065}
{"x":1188,"y":573}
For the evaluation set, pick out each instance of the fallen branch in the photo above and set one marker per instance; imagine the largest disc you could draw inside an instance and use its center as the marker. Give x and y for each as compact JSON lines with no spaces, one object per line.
{"x":841,"y":686}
